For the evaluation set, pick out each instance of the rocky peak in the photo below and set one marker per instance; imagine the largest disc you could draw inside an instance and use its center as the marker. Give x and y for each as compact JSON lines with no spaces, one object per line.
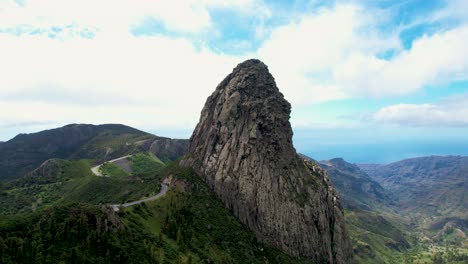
{"x":242,"y":146}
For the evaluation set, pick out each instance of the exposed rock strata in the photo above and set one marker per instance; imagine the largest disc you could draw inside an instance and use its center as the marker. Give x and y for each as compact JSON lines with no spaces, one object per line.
{"x":242,"y":145}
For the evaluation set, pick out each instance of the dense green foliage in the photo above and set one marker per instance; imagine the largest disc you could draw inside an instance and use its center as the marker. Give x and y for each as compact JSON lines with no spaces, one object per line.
{"x":375,"y":240}
{"x":73,"y":181}
{"x":188,"y":225}
{"x":111,"y":170}
{"x":404,"y":226}
{"x":143,"y":164}
{"x":75,"y":233}
{"x":25,"y":152}
{"x":196,"y":227}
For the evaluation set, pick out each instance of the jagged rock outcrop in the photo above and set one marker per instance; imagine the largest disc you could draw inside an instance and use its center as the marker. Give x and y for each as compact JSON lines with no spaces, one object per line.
{"x":243,"y":147}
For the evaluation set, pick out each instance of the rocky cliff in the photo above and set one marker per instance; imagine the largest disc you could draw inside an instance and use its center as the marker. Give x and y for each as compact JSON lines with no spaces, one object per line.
{"x":242,"y":145}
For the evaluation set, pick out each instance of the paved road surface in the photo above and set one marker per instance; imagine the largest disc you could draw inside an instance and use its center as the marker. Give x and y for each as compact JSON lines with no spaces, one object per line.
{"x":96,"y":171}
{"x":116,"y":207}
{"x":163,"y":191}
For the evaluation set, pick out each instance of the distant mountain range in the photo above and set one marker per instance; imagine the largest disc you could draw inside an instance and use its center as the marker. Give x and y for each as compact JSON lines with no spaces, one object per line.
{"x":355,"y":186}
{"x":435,"y":185}
{"x":25,"y":152}
{"x":389,"y":205}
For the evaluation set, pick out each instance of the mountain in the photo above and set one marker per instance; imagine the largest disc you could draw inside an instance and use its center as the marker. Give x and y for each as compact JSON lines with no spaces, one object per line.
{"x":60,"y":213}
{"x":374,"y":238}
{"x":242,"y":147}
{"x":356,"y":188}
{"x":25,"y":152}
{"x":187,"y":225}
{"x":434,"y":186}
{"x":431,"y":195}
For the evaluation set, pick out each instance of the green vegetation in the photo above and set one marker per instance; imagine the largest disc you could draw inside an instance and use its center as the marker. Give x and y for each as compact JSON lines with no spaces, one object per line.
{"x":195,"y":227}
{"x":26,"y":152}
{"x":72,"y":181}
{"x":143,"y":164}
{"x":98,"y":190}
{"x":111,"y":170}
{"x":423,"y":253}
{"x":185,"y":226}
{"x":375,"y":240}
{"x":56,"y":215}
{"x":76,"y":233}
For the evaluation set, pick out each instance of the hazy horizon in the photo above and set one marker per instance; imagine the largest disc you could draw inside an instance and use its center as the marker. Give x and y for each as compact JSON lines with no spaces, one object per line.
{"x":354,"y":150}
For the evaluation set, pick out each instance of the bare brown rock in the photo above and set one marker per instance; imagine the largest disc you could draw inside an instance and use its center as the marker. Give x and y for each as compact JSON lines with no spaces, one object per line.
{"x":242,"y":146}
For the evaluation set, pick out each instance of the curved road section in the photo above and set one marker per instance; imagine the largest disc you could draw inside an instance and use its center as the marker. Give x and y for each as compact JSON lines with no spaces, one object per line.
{"x":163,"y":191}
{"x":116,"y":207}
{"x":96,"y":171}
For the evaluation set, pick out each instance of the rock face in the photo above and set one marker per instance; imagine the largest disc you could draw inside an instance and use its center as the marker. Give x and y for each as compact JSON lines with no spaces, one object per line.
{"x":243,"y":147}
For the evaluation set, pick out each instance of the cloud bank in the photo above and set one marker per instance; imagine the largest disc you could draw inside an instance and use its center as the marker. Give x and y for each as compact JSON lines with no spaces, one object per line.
{"x":68,"y":61}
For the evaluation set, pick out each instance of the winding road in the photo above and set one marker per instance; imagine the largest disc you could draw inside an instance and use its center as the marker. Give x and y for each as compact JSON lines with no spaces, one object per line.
{"x":163,"y":191}
{"x":96,"y":171}
{"x":116,"y":207}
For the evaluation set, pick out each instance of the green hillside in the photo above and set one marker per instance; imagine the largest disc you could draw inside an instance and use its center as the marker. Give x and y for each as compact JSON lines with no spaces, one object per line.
{"x":62,"y":181}
{"x":25,"y":152}
{"x":188,"y":225}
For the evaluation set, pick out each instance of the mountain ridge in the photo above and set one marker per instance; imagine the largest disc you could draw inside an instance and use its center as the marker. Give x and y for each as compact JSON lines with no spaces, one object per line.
{"x":356,"y":187}
{"x":25,"y":152}
{"x":431,"y":185}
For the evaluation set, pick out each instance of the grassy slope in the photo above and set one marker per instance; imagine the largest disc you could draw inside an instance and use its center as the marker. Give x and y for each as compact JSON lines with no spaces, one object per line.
{"x":182,"y":227}
{"x":143,"y":164}
{"x":375,"y":240}
{"x":112,"y":170}
{"x":74,"y":183}
{"x":27,"y":151}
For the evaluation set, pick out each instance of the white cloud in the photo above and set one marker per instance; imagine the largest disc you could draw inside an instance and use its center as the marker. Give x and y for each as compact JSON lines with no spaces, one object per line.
{"x":140,"y":81}
{"x":150,"y":82}
{"x":117,"y":17}
{"x":457,"y":9}
{"x":432,"y":60}
{"x":163,"y":81}
{"x":333,"y":54}
{"x":304,"y":54}
{"x":452,"y":112}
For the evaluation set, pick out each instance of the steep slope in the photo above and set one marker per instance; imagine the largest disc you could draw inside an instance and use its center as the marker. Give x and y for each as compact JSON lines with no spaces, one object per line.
{"x":166,"y":148}
{"x":58,"y":182}
{"x":356,"y":188}
{"x":25,"y":152}
{"x":242,"y":146}
{"x":432,"y":185}
{"x":375,"y":239}
{"x":184,"y":226}
{"x":432,"y":192}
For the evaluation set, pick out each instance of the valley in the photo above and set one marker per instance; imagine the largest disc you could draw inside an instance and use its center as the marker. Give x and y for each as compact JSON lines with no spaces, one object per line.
{"x":402,"y":212}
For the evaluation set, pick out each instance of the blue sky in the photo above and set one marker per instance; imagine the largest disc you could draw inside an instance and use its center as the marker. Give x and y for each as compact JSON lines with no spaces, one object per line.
{"x":369,"y":81}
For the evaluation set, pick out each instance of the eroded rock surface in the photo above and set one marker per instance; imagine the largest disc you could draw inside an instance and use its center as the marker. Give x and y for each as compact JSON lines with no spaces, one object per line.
{"x":242,"y":145}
